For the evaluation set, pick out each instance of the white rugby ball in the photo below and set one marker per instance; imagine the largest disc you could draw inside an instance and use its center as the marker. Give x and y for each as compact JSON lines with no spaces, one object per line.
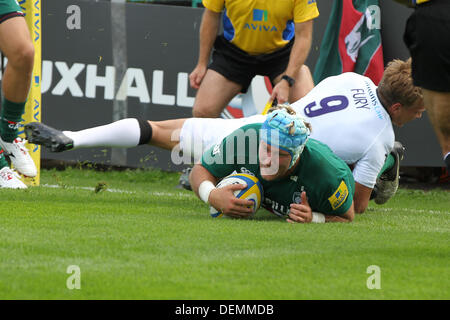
{"x":253,"y":191}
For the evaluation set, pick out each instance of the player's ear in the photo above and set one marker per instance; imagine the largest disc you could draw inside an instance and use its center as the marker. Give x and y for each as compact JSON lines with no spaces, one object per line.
{"x":395,"y":108}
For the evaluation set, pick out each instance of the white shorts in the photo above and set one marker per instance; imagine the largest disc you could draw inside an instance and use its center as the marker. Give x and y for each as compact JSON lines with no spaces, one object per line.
{"x":198,"y":134}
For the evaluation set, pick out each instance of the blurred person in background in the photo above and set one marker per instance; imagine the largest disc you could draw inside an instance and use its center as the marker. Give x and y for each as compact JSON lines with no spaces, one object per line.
{"x":270,"y":38}
{"x":16,"y":45}
{"x":427,"y":38}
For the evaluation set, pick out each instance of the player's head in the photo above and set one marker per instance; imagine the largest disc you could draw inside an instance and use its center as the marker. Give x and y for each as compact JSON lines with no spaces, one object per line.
{"x":283,"y":138}
{"x":396,"y":91}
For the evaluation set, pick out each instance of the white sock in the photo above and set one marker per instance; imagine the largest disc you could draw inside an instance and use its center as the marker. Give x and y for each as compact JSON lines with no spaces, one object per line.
{"x":124,"y":133}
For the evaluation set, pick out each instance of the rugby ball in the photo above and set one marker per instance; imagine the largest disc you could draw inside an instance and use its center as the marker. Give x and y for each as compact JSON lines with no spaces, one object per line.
{"x":253,"y":191}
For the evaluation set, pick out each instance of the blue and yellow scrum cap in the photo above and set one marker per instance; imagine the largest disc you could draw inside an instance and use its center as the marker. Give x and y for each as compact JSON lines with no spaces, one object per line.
{"x":291,"y":133}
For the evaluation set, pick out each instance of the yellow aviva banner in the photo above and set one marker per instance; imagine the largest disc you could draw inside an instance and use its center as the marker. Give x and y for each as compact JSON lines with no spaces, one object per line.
{"x":32,"y":10}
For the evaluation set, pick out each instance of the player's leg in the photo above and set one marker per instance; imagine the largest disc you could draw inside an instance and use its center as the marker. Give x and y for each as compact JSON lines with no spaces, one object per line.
{"x":16,"y":45}
{"x":166,"y":134}
{"x":214,"y":94}
{"x":199,"y":134}
{"x":430,"y":64}
{"x":388,"y":179}
{"x":9,"y":25}
{"x":125,"y":133}
{"x":229,"y":73}
{"x":438,"y":109}
{"x":194,"y":134}
{"x":303,"y":84}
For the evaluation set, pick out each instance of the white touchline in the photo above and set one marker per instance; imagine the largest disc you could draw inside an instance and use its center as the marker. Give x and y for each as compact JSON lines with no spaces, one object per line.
{"x":186,"y":195}
{"x":171,"y":194}
{"x":412,"y":210}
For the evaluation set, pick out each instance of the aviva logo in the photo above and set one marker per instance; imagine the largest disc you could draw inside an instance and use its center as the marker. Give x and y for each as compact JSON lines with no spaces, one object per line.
{"x":259,"y":15}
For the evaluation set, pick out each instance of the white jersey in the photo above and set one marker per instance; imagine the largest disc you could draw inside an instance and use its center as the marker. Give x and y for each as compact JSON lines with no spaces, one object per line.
{"x":345,"y":114}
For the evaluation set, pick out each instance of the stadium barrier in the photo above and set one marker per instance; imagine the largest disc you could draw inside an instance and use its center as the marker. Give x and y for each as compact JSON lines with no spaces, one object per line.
{"x":83,"y":80}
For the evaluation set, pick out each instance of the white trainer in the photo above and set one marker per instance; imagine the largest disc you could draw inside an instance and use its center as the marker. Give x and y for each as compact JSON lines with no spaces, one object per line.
{"x":19,"y":156}
{"x":10,"y":179}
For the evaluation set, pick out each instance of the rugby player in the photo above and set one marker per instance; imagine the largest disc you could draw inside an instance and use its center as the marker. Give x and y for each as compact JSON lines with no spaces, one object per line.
{"x":302,"y":179}
{"x":16,"y":45}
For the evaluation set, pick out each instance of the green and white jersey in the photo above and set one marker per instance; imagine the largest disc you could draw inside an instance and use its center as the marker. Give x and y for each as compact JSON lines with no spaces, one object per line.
{"x":326,"y":179}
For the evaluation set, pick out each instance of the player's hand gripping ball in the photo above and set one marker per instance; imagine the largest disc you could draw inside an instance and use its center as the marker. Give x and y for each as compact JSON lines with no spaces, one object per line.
{"x":253,"y":191}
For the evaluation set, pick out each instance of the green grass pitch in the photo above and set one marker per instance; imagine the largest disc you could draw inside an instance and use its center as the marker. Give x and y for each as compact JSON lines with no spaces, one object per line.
{"x":139,"y":237}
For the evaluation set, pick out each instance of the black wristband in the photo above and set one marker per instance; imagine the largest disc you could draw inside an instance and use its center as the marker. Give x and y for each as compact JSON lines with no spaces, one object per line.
{"x":289,"y":80}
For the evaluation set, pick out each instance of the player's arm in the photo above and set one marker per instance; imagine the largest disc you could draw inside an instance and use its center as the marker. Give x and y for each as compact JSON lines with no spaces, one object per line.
{"x":365,"y":174}
{"x":362,"y":197}
{"x":209,"y":28}
{"x":199,"y":175}
{"x":301,"y":47}
{"x":302,"y":213}
{"x":215,"y":165}
{"x":223,"y":199}
{"x":299,"y":53}
{"x":346,"y":217}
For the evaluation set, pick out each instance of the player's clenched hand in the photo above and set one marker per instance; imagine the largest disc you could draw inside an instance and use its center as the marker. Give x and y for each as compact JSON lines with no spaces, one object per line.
{"x":280,"y":92}
{"x":196,"y":76}
{"x":223,"y":199}
{"x":300,"y":212}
